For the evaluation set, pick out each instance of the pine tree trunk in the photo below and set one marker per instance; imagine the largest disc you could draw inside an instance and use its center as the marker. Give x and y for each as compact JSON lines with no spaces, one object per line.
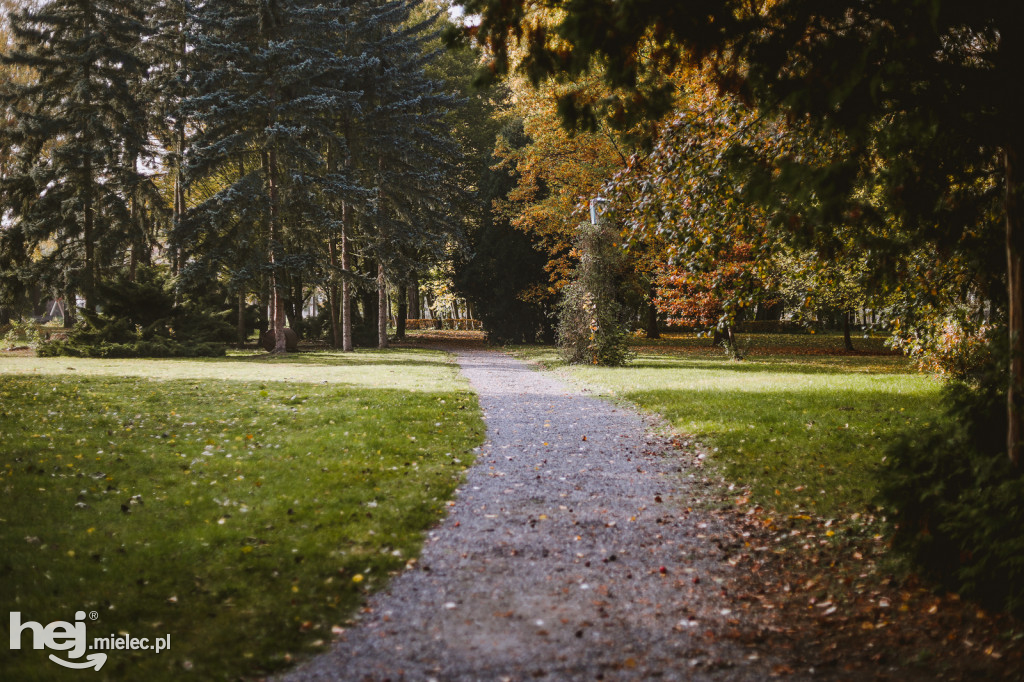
{"x":382,"y":307}
{"x":179,"y":193}
{"x":133,"y":252}
{"x":88,"y":279}
{"x":145,"y":248}
{"x":277,"y":313}
{"x":133,"y":263}
{"x":241,"y":319}
{"x":403,"y":312}
{"x":180,"y":141}
{"x":293,"y":303}
{"x":332,"y":294}
{"x":346,"y":286}
{"x":1015,"y":289}
{"x":69,"y":309}
{"x":414,"y":297}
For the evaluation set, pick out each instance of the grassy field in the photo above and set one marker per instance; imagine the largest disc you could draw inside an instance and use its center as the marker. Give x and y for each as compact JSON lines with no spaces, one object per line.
{"x":242,"y":505}
{"x":804,"y":430}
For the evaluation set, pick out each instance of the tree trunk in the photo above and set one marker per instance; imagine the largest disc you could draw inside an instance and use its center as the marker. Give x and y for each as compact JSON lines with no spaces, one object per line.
{"x":133,"y":251}
{"x":847,"y":342}
{"x":294,"y":303}
{"x":652,"y":316}
{"x":179,"y":193}
{"x":241,"y":319}
{"x":69,"y":309}
{"x":89,"y":276}
{"x":414,"y":297}
{"x":382,"y":307}
{"x":332,"y":294}
{"x":346,"y":285}
{"x":277,"y":312}
{"x":727,"y":336}
{"x":403,"y":312}
{"x":180,"y":142}
{"x":1015,"y":289}
{"x":332,"y":313}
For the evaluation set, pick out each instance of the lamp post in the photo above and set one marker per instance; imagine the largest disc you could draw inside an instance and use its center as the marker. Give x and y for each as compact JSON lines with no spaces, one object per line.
{"x":594,"y":210}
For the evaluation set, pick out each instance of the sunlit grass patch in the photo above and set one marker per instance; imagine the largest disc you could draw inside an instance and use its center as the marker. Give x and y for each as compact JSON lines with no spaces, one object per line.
{"x":765,"y":345}
{"x":801,"y":433}
{"x":243,"y":516}
{"x":410,"y":369}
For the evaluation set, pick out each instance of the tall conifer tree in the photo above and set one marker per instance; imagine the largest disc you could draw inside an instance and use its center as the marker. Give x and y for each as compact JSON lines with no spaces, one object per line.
{"x":405,"y":151}
{"x":269,"y":77}
{"x":78,"y":137}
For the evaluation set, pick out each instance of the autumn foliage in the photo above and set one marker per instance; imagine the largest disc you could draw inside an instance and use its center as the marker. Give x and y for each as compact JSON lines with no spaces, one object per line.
{"x":695,"y":299}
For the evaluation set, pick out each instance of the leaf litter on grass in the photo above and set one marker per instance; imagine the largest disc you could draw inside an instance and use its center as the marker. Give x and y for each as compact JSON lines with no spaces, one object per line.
{"x":793,"y":477}
{"x":232,"y":514}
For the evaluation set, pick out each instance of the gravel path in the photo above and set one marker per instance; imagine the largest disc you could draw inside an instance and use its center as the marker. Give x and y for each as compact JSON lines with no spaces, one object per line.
{"x":569,"y":555}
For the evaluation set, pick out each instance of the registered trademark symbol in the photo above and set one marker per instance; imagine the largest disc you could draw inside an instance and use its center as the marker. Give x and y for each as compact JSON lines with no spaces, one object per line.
{"x":94,"y":615}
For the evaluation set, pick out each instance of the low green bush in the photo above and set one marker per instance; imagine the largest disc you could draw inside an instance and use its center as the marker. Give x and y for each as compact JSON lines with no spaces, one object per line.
{"x":959,"y":499}
{"x":139,"y":318}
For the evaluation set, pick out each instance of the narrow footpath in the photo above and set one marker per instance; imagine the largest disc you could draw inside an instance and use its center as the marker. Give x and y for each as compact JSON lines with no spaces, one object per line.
{"x":569,"y":554}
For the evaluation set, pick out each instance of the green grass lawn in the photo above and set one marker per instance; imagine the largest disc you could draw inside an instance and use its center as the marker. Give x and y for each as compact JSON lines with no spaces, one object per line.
{"x":243,"y":505}
{"x":805,"y":433}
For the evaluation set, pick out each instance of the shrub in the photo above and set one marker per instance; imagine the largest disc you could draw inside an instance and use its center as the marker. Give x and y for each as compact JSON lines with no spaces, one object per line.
{"x":959,"y":499}
{"x":18,"y":334}
{"x":592,"y":322}
{"x":140,"y":319}
{"x":952,"y":349}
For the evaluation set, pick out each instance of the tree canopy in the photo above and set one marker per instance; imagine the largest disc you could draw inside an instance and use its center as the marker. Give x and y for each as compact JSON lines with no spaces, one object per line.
{"x":920,"y":96}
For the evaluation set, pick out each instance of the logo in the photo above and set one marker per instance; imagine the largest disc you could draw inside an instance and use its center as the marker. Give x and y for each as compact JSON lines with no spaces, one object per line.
{"x":71,"y":638}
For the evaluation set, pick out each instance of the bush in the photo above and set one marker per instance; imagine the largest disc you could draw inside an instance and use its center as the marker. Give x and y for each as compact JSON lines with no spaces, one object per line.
{"x":140,"y":319}
{"x":953,"y":350}
{"x":959,"y":499}
{"x":592,"y":322}
{"x":20,"y":334}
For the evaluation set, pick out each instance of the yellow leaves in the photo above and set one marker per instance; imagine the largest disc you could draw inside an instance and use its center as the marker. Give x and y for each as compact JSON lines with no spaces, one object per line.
{"x":357,"y":578}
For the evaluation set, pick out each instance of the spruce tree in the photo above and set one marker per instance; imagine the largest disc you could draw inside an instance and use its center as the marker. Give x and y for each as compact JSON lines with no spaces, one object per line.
{"x":269,"y":76}
{"x":77,"y":139}
{"x":167,"y":87}
{"x":405,"y":150}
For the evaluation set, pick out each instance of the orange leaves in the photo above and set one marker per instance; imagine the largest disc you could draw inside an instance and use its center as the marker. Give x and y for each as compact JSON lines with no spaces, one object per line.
{"x":558,"y":172}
